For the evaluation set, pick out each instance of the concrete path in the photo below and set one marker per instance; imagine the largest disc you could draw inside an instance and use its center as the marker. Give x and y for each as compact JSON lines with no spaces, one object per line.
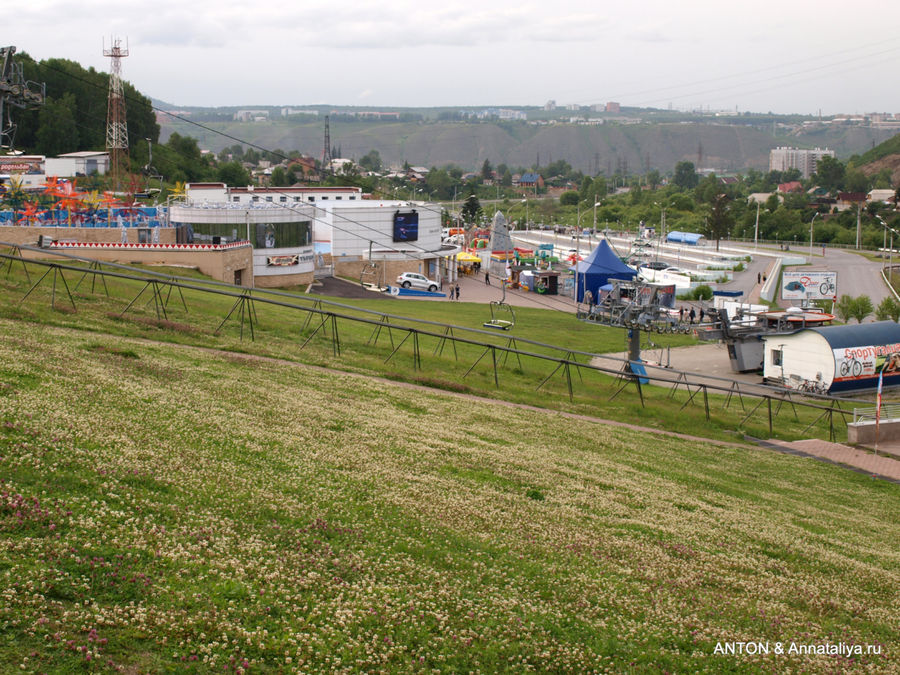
{"x":861,"y":459}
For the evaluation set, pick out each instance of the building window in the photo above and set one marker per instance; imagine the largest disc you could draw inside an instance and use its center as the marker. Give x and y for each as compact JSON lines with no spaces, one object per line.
{"x":324,"y":198}
{"x":338,"y":197}
{"x":352,"y":197}
{"x":269,"y":198}
{"x":255,"y":198}
{"x":235,"y":199}
{"x":777,"y":357}
{"x":296,"y":199}
{"x":312,"y":199}
{"x":283,"y":199}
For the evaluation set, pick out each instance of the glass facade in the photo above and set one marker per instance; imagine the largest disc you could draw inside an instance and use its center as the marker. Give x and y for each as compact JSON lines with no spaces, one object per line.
{"x":262,"y":235}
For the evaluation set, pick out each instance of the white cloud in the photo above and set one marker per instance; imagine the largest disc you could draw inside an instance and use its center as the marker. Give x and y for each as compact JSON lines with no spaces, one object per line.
{"x":407,"y":52}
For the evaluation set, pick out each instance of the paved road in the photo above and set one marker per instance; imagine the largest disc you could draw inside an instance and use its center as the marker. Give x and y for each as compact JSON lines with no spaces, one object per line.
{"x":856,"y":275}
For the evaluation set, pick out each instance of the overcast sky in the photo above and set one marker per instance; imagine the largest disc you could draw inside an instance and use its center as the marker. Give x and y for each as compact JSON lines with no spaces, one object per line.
{"x":785,"y":57}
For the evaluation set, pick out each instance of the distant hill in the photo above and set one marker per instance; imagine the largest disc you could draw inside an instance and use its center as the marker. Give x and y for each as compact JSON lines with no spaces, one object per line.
{"x":600,"y":148}
{"x":885,"y":155}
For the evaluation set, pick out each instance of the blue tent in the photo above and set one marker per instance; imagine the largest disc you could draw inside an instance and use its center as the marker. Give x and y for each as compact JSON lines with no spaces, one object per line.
{"x":598,"y":268}
{"x":691,"y":238}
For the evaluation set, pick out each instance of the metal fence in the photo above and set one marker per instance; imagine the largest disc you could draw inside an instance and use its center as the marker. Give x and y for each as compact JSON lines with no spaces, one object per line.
{"x":889,"y":411}
{"x":323,"y":316}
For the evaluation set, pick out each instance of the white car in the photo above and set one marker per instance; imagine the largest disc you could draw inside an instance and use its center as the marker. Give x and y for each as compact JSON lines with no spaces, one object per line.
{"x":414,"y":280}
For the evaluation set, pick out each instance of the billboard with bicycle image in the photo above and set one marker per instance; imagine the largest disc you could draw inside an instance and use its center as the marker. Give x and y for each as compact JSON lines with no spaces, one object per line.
{"x":859,"y":363}
{"x":809,"y":285}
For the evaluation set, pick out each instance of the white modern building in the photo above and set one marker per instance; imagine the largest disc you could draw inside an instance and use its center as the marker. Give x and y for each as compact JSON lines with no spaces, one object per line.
{"x":301,"y":230}
{"x":784,"y":158}
{"x":281,"y":237}
{"x":389,"y":237}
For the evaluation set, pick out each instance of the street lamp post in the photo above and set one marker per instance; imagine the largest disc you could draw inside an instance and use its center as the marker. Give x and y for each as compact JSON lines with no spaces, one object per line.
{"x":662,"y":226}
{"x":756,"y":229}
{"x":891,"y":254}
{"x":811,"y":234}
{"x":525,"y":201}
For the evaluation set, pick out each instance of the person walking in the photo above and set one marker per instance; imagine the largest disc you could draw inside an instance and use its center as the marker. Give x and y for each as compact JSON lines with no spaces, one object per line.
{"x":681,"y":314}
{"x":701,"y":316}
{"x":457,"y":291}
{"x":487,"y":278}
{"x":692,"y":315}
{"x":758,"y":278}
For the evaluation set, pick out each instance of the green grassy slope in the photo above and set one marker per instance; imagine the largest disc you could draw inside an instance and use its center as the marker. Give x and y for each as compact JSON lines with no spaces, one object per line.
{"x":200,"y":319}
{"x":165,"y":508}
{"x":889,"y":147}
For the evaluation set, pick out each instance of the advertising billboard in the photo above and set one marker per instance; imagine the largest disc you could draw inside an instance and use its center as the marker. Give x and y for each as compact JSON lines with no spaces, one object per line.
{"x":809,"y":286}
{"x":406,"y":226}
{"x":860,"y":363}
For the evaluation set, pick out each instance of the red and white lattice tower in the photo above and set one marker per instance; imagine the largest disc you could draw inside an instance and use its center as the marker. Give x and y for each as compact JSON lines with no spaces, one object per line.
{"x":116,"y":125}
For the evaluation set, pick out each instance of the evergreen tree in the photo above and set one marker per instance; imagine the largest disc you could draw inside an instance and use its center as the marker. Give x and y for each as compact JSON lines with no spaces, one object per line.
{"x":685,"y":176}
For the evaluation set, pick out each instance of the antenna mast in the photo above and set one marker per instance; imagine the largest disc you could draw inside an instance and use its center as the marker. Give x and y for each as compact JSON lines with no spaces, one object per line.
{"x":326,"y":154}
{"x":116,"y":124}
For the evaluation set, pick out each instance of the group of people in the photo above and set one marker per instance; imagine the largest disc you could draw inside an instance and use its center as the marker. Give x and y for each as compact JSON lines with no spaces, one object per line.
{"x":692,"y":315}
{"x":453,"y":292}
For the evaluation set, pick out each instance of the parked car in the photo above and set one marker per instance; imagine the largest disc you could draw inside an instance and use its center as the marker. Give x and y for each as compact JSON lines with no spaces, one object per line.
{"x":414,"y":280}
{"x":655,"y":265}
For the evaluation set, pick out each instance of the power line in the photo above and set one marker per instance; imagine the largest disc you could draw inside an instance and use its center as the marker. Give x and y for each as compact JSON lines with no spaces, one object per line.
{"x":335,"y":212}
{"x":737,"y":76}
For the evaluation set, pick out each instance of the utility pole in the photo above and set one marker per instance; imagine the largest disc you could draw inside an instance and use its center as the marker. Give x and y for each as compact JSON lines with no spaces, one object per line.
{"x":116,"y":123}
{"x":756,"y":229}
{"x":858,"y":222}
{"x":811,"y":234}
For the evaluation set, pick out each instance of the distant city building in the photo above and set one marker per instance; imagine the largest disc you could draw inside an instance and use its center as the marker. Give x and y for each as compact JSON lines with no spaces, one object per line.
{"x":550,"y":105}
{"x":501,"y":113}
{"x":251,"y":115}
{"x":573,"y":106}
{"x":791,"y":186}
{"x":613,"y":107}
{"x":530,"y":180}
{"x":367,"y":114}
{"x":885,"y":195}
{"x":286,"y":112}
{"x":784,"y":158}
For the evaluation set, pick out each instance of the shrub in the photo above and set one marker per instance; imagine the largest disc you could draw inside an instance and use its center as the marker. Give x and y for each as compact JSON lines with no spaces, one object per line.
{"x":888,"y":309}
{"x":703,"y":292}
{"x":844,"y":308}
{"x":862,"y":307}
{"x":853,"y":308}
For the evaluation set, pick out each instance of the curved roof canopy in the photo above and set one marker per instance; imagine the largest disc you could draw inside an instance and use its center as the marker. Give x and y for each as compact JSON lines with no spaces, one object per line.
{"x":860,"y":335}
